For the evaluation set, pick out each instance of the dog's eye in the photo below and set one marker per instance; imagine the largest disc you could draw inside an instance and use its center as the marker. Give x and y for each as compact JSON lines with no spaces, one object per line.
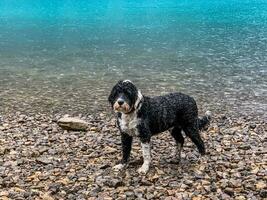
{"x":128,"y":93}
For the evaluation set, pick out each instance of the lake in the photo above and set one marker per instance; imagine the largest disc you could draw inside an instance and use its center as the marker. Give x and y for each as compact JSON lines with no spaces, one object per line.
{"x":64,"y":56}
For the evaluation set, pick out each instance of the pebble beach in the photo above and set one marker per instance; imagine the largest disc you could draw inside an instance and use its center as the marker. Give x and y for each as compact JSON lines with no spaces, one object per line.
{"x":40,"y":160}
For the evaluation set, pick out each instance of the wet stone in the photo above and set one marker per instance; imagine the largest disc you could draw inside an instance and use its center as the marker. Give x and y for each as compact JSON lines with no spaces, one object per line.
{"x":244,"y":147}
{"x":263,"y":193}
{"x":104,"y":166}
{"x":43,"y":160}
{"x":229,"y":191}
{"x":252,"y":125}
{"x":54,"y":188}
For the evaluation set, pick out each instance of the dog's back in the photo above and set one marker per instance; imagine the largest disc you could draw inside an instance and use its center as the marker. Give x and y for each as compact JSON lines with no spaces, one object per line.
{"x":164,"y":112}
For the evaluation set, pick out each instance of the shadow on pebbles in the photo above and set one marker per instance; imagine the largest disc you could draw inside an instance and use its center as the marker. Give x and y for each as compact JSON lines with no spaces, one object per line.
{"x":39,"y":160}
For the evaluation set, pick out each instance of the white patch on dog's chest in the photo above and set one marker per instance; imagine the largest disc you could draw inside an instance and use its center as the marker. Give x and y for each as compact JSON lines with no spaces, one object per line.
{"x":128,"y":124}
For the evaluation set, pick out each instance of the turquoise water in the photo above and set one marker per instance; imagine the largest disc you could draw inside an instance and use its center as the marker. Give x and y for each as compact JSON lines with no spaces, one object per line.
{"x":64,"y":56}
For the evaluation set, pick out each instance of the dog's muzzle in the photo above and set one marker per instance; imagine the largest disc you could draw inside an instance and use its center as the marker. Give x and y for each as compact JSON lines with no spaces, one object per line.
{"x":121,"y":106}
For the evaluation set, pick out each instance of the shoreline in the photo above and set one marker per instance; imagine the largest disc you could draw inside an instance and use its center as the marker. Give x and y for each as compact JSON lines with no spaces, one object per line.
{"x":40,"y":160}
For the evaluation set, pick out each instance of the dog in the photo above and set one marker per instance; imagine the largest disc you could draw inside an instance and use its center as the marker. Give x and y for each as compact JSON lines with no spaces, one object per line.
{"x":142,"y":117}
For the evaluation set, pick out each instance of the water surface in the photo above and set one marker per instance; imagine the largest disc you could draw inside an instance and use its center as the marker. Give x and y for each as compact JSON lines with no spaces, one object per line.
{"x":64,"y":56}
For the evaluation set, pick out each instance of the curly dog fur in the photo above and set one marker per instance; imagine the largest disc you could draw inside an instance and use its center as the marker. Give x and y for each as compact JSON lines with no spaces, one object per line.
{"x":141,"y":116}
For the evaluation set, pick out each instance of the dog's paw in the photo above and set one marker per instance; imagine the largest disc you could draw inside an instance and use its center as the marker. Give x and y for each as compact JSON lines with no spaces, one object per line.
{"x":118,"y":167}
{"x":143,"y":170}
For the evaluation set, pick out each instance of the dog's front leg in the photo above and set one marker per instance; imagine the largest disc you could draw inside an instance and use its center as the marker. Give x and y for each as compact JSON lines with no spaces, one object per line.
{"x":126,"y":142}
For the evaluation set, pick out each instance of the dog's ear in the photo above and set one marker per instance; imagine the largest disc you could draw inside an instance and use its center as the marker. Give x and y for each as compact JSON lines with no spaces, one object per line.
{"x":112,"y":94}
{"x":119,"y":82}
{"x":139,"y":99}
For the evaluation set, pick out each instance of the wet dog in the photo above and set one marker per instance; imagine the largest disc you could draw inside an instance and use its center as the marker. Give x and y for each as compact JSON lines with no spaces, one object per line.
{"x":142,"y":117}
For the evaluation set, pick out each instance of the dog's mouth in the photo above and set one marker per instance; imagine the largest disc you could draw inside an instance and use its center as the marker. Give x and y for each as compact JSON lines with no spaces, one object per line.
{"x":125,"y":108}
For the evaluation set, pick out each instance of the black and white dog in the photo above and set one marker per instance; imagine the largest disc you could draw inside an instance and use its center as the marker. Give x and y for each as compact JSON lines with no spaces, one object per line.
{"x":141,"y":116}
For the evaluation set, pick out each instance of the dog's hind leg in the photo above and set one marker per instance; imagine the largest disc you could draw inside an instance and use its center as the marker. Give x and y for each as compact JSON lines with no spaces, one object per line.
{"x":176,"y":133}
{"x":144,"y":136}
{"x":192,"y":131}
{"x":147,"y":158}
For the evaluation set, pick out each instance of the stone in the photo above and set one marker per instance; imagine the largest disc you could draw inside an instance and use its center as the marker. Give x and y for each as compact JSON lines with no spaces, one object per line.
{"x":170,"y":198}
{"x":54,"y":188}
{"x":213,"y":187}
{"x":229,"y":191}
{"x":82,"y":179}
{"x":72,"y":123}
{"x":204,"y":182}
{"x":244,"y":147}
{"x":241,"y":197}
{"x":36,"y":163}
{"x":3,"y":150}
{"x":19,"y":190}
{"x":93,"y":129}
{"x":104,"y":166}
{"x":115,"y":182}
{"x":46,"y":196}
{"x":129,"y":194}
{"x":197,"y":197}
{"x":263,"y":194}
{"x":252,"y":125}
{"x":64,"y":181}
{"x":4,"y":193}
{"x":260,"y":185}
{"x":43,"y":149}
{"x":44,"y":160}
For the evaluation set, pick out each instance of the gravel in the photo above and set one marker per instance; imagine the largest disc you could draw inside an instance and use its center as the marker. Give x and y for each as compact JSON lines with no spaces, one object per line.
{"x":39,"y":160}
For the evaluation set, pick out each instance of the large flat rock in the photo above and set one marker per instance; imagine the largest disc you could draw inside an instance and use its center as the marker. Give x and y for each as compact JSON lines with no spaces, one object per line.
{"x":72,"y":123}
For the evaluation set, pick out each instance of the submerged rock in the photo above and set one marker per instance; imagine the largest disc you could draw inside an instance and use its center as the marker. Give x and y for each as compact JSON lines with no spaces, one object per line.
{"x":72,"y":123}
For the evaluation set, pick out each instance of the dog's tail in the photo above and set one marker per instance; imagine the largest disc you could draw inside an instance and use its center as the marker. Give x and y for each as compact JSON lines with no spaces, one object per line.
{"x":204,"y":121}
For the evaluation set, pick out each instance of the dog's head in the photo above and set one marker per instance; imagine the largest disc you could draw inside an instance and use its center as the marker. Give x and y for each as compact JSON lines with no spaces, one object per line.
{"x":124,"y":97}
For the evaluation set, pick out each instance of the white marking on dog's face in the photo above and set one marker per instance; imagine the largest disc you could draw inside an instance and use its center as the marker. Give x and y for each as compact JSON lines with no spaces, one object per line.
{"x":127,"y":81}
{"x":147,"y":158}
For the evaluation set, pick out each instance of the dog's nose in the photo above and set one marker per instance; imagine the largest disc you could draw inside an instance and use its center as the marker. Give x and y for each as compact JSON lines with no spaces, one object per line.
{"x":120,"y":102}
